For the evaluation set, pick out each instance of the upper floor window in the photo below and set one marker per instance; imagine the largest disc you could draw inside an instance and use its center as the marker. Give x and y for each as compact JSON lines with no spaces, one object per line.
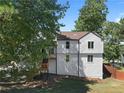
{"x":90,"y":44}
{"x":67,"y":44}
{"x":90,"y":58}
{"x":67,"y":57}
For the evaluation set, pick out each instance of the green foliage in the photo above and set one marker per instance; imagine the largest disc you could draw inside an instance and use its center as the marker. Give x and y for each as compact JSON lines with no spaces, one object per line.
{"x":121,"y":29}
{"x":18,"y":72}
{"x":111,"y":37}
{"x":27,"y":27}
{"x":111,"y":32}
{"x":91,"y":16}
{"x":112,"y":51}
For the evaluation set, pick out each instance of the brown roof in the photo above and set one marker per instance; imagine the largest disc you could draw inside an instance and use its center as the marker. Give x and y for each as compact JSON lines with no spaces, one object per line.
{"x":71,"y":35}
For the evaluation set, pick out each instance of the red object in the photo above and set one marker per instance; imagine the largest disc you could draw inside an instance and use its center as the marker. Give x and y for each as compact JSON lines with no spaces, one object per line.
{"x":119,"y":75}
{"x":44,"y":65}
{"x":115,"y":73}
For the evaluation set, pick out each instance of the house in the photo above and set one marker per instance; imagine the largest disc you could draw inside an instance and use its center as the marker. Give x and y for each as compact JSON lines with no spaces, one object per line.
{"x":77,"y":54}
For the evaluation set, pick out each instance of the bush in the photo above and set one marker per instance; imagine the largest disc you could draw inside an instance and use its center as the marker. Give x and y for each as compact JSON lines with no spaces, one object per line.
{"x":18,"y":73}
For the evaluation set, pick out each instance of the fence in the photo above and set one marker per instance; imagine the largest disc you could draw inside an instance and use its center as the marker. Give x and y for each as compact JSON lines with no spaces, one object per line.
{"x":115,"y":73}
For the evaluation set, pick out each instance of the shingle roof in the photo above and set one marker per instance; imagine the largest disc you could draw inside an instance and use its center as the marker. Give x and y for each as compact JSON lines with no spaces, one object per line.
{"x":71,"y":35}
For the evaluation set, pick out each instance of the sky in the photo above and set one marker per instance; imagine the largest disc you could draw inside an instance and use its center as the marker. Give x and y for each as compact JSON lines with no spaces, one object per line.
{"x":115,"y":9}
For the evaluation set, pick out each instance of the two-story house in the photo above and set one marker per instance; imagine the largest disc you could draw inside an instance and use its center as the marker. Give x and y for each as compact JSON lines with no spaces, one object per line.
{"x":78,"y":54}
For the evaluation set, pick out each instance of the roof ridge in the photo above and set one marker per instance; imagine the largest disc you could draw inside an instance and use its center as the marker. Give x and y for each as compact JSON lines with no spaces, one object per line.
{"x":73,"y":32}
{"x":72,"y":35}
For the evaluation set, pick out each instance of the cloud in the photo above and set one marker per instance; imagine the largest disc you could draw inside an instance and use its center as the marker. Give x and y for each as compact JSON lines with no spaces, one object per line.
{"x":121,"y":15}
{"x":117,"y":20}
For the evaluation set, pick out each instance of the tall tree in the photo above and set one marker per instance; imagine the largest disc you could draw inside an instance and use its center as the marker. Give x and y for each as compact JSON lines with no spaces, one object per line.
{"x":91,"y":16}
{"x":121,"y":37}
{"x":121,"y":28}
{"x":27,"y":31}
{"x":110,"y":33}
{"x":27,"y":27}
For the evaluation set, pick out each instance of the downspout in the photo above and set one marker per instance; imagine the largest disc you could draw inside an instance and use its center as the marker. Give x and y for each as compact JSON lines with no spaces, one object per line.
{"x":56,"y":50}
{"x":78,"y":56}
{"x":56,"y":60}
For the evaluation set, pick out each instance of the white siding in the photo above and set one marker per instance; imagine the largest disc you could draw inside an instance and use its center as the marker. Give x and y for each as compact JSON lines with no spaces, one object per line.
{"x":95,"y":68}
{"x":67,"y":68}
{"x":61,"y":46}
{"x":91,"y":69}
{"x":86,"y":69}
{"x":98,"y":44}
{"x":52,"y":66}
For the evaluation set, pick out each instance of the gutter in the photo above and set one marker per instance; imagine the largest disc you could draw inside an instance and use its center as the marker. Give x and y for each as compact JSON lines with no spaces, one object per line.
{"x":78,"y":56}
{"x":56,"y":60}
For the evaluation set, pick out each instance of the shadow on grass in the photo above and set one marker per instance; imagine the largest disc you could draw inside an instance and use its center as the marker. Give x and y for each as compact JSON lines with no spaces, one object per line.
{"x":64,"y":86}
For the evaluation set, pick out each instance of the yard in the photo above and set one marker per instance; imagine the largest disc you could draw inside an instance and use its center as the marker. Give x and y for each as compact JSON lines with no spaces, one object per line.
{"x":75,"y":86}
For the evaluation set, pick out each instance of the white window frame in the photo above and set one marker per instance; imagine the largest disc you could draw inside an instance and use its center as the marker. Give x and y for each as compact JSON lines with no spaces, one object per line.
{"x":90,"y":44}
{"x":67,"y":46}
{"x":67,"y":57}
{"x":90,"y":58}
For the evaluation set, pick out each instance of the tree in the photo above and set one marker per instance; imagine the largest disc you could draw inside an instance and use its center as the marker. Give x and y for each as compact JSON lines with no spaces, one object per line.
{"x":121,"y":35}
{"x":91,"y":16}
{"x":110,"y":33}
{"x":27,"y":27}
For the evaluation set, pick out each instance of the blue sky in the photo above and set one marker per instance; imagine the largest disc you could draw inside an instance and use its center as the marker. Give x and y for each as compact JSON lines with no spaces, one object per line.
{"x":115,"y":8}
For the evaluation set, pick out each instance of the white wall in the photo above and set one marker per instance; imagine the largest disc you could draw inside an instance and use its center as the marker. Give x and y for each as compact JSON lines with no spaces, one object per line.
{"x":91,"y":69}
{"x":61,"y":48}
{"x":67,"y":68}
{"x":86,"y":69}
{"x":52,"y":66}
{"x":95,"y":68}
{"x":98,"y":44}
{"x":71,"y":67}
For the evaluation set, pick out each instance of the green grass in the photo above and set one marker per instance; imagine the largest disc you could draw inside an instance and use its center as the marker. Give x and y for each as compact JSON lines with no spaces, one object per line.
{"x":108,"y":86}
{"x":77,"y":86}
{"x":121,"y":68}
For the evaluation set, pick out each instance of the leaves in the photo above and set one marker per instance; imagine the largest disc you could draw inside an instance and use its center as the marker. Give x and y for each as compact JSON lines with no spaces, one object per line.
{"x":111,"y":31}
{"x":121,"y":35}
{"x":27,"y":27}
{"x":91,"y":16}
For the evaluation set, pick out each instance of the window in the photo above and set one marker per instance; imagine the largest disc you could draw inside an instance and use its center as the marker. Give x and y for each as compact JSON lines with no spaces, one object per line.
{"x":52,"y":51}
{"x":90,"y":58}
{"x":67,"y":45}
{"x":67,"y":58}
{"x":90,"y":44}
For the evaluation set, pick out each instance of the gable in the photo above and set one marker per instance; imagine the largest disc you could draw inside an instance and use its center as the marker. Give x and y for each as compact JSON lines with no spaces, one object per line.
{"x":93,"y":34}
{"x":74,"y":35}
{"x":91,"y":37}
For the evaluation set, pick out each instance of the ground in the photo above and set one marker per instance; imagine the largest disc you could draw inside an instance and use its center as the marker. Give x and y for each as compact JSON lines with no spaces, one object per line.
{"x":75,"y":86}
{"x":121,"y":68}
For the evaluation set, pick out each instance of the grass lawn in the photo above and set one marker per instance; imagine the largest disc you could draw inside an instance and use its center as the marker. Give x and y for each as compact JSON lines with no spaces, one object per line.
{"x":77,"y":86}
{"x":121,"y":68}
